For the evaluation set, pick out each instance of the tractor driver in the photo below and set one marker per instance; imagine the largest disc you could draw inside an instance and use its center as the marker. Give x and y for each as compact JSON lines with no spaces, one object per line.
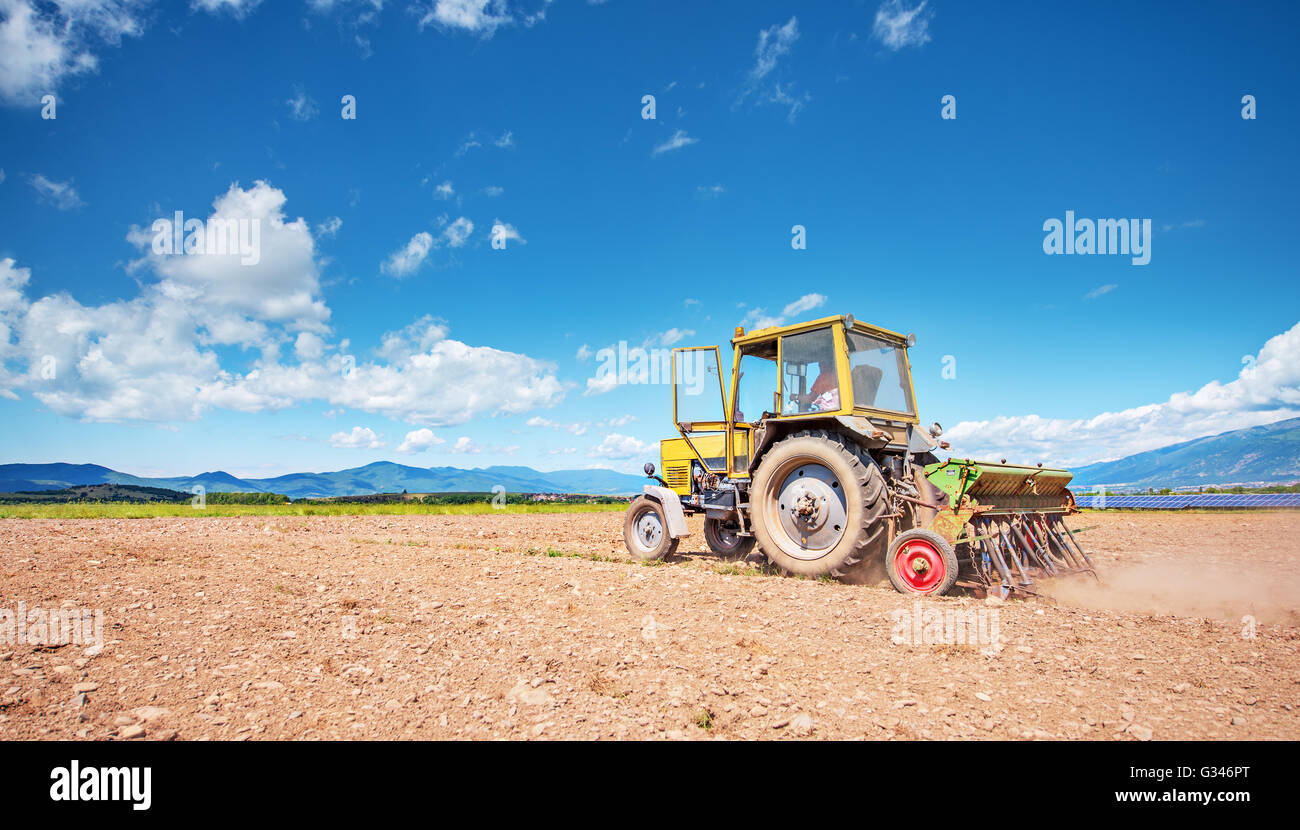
{"x":825,"y":393}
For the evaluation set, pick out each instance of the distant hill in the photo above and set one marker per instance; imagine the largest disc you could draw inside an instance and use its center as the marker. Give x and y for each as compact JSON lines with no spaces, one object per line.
{"x":96,"y":493}
{"x":1268,"y":454}
{"x":379,"y":477}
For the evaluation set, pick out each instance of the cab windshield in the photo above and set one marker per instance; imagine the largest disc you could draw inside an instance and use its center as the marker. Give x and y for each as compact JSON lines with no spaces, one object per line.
{"x":879,"y":372}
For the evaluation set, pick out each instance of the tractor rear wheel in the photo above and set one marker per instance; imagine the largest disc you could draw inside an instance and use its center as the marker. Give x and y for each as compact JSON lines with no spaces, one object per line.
{"x":817,"y":504}
{"x":921,"y":562}
{"x":725,"y":540}
{"x":645,"y":530}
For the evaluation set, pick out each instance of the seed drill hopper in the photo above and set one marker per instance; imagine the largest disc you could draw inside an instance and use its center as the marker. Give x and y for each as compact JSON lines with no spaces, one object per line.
{"x":1008,"y":521}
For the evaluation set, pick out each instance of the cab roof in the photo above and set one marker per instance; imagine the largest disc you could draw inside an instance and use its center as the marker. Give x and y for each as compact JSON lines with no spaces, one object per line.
{"x":773,"y":332}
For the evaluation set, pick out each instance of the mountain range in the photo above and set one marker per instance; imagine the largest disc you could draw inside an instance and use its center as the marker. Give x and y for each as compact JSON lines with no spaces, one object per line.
{"x":379,"y":477}
{"x":1268,"y":454}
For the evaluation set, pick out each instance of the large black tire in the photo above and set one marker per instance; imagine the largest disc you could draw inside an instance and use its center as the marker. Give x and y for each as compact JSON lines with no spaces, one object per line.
{"x":834,"y":518}
{"x":645,"y":530}
{"x":725,"y":541}
{"x":921,"y":562}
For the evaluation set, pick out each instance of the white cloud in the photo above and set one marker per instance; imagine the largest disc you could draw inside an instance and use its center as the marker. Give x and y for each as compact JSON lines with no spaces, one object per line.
{"x":429,"y":379}
{"x":785,"y":96}
{"x":465,"y":444}
{"x":601,"y":383}
{"x":61,"y":195}
{"x":309,"y":346}
{"x":481,"y":17}
{"x":710,"y":191}
{"x":457,"y":233}
{"x":670,"y":337}
{"x":419,"y":440}
{"x":473,"y":141}
{"x":773,"y":42}
{"x":807,"y":302}
{"x":12,"y":282}
{"x":361,"y":12}
{"x":358,"y":438}
{"x":43,"y":44}
{"x":490,"y":190}
{"x":758,"y":318}
{"x":1266,"y":390}
{"x":575,"y":428}
{"x":330,"y":227}
{"x":470,"y":143}
{"x":135,"y":359}
{"x":1100,"y":291}
{"x":152,"y":357}
{"x":618,"y":447}
{"x":236,"y":302}
{"x":302,"y":107}
{"x":237,"y":8}
{"x":407,"y":260}
{"x":898,"y":26}
{"x":506,"y":231}
{"x":584,"y":353}
{"x":13,"y":307}
{"x":677,"y":140}
{"x":444,"y":190}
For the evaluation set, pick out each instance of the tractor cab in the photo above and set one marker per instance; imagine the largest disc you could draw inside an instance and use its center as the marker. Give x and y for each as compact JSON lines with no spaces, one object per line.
{"x":834,"y":367}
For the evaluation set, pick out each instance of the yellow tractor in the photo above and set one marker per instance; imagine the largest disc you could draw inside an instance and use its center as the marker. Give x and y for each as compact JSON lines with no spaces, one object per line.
{"x":813,"y":451}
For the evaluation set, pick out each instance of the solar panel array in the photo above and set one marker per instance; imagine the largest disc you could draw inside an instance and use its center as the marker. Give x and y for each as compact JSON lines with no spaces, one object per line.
{"x":1178,"y":502}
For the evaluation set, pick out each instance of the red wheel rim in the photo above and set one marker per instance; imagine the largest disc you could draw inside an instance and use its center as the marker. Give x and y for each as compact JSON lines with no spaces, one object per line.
{"x":919,"y":566}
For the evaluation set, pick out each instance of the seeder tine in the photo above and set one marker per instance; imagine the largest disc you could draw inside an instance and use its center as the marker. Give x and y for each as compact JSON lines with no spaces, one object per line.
{"x":1070,"y":535}
{"x":1024,"y":532}
{"x":1066,"y":539}
{"x":995,"y":552}
{"x":1010,"y":548}
{"x":1052,"y":545}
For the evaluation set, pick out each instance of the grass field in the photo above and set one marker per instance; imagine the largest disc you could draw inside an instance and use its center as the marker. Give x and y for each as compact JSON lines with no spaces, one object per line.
{"x":118,"y":510}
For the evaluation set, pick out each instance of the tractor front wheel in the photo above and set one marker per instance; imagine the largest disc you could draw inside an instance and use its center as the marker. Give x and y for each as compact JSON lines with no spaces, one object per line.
{"x":921,"y":562}
{"x":645,"y":530}
{"x":725,"y":540}
{"x":817,"y":504}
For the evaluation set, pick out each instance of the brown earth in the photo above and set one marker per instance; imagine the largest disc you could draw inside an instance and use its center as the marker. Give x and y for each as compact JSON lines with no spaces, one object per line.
{"x":466,"y":627}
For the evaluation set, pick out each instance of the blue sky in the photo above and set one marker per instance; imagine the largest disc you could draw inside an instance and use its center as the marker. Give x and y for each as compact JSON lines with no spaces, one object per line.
{"x":376,"y":232}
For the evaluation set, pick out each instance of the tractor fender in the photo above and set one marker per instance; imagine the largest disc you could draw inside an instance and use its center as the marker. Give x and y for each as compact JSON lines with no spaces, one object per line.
{"x":867,"y":432}
{"x":672,"y":509}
